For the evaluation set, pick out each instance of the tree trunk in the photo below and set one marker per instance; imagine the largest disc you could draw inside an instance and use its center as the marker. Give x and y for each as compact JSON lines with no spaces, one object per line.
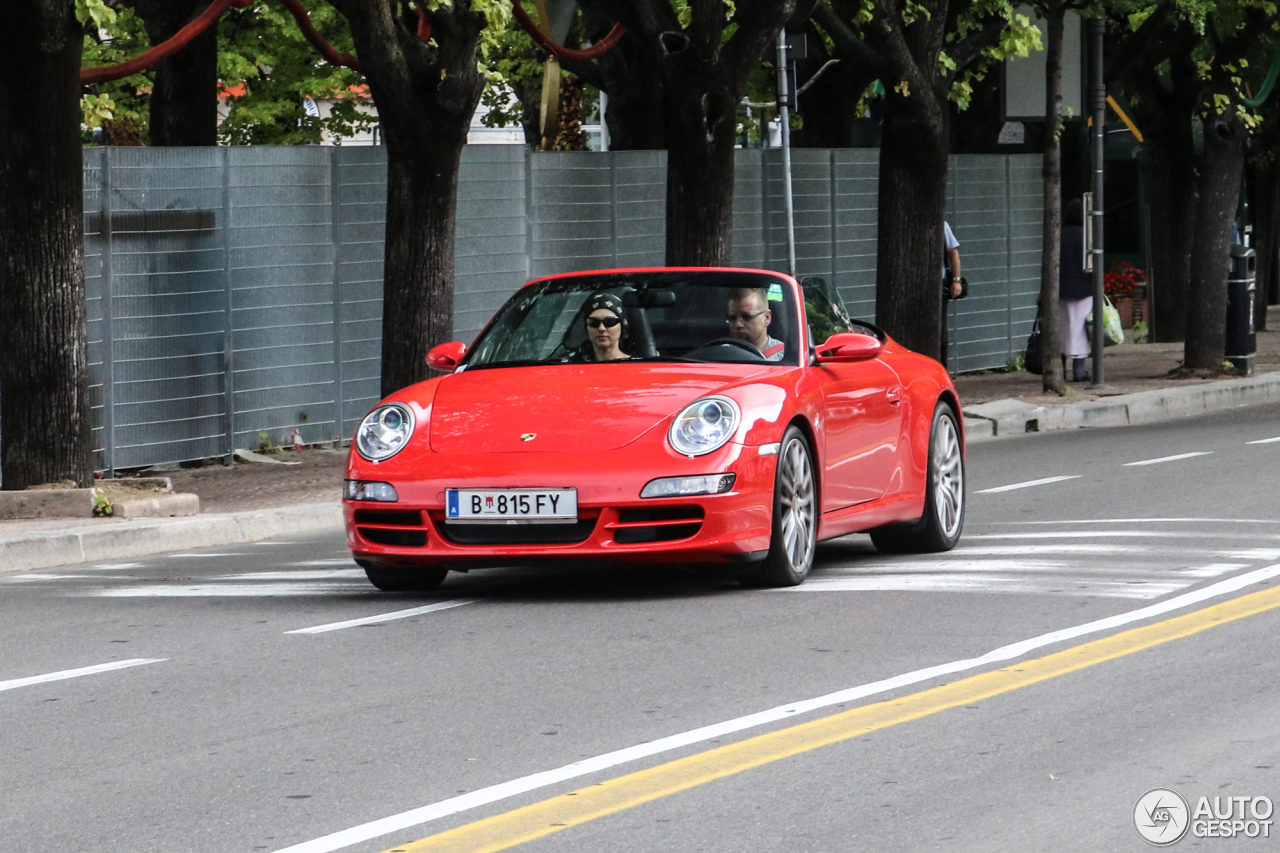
{"x":912,"y":200}
{"x":1224,"y":143}
{"x":1053,"y":381}
{"x":1165,"y":117}
{"x":426,"y":92}
{"x":184,"y":101}
{"x":700,"y":164}
{"x":422,"y":204}
{"x":44,"y":370}
{"x":1266,"y":224}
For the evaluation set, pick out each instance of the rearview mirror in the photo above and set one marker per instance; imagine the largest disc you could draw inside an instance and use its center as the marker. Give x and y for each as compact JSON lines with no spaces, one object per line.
{"x":849,"y":346}
{"x":446,"y":356}
{"x":649,"y":298}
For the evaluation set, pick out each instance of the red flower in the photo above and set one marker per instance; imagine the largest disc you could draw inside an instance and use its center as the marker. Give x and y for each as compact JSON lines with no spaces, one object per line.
{"x":1123,"y":279}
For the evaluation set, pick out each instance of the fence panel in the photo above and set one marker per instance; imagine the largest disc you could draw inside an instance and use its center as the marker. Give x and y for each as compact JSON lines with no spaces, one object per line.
{"x":360,"y":186}
{"x":280,"y":277}
{"x":492,"y":256}
{"x":168,"y":304}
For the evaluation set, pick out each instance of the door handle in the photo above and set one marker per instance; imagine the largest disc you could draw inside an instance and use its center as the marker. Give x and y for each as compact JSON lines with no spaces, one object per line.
{"x":894,"y":395}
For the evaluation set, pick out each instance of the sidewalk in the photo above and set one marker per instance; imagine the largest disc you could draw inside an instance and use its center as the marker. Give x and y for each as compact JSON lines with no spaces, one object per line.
{"x":248,"y":501}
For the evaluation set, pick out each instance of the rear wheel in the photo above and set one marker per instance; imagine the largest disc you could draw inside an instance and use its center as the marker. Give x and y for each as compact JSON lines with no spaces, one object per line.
{"x":404,"y":580}
{"x":795,"y":516}
{"x":939,"y":528}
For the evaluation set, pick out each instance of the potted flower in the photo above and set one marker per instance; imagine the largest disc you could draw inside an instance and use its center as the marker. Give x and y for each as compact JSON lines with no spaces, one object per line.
{"x":1123,"y":284}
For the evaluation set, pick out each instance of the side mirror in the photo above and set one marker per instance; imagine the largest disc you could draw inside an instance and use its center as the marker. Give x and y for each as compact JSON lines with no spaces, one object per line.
{"x":849,"y":346}
{"x":446,"y":356}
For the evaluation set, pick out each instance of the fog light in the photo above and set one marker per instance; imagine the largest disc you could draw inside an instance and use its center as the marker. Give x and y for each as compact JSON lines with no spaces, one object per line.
{"x":677,"y":487}
{"x":363,"y":490}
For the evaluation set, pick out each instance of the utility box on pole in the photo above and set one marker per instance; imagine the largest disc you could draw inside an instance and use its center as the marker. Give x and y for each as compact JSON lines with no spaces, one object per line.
{"x":1242,"y":286}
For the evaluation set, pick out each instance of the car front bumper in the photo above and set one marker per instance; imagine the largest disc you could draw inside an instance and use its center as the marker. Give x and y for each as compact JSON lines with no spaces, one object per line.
{"x":614,"y":522}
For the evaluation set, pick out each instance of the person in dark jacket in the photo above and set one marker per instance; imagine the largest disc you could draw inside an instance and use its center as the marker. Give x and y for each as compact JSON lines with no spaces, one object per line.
{"x":1075,"y":293}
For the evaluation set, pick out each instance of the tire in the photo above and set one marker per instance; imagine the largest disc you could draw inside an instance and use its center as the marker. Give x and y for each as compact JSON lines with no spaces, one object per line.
{"x":944,"y":504}
{"x":405,"y":580}
{"x":795,"y":516}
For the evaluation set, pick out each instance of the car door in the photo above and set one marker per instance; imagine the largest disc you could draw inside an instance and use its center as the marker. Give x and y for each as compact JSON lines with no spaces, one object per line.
{"x":863,"y":408}
{"x":863,"y":403}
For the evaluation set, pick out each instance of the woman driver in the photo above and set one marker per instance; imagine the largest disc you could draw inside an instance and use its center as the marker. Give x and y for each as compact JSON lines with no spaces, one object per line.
{"x":606,"y":327}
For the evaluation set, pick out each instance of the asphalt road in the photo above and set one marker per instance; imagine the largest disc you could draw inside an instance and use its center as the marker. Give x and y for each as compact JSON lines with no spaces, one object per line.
{"x":255,"y":714}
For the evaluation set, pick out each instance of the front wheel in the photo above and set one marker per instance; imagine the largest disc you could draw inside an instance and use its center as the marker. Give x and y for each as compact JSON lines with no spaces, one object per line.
{"x":404,"y":580}
{"x":795,"y":515}
{"x":939,"y":528}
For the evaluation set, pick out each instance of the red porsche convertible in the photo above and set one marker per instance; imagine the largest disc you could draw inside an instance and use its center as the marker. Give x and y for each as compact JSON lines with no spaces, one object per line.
{"x":726,"y":416}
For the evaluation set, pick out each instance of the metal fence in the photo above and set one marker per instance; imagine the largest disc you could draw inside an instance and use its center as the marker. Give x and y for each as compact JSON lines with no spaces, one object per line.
{"x":238,"y":291}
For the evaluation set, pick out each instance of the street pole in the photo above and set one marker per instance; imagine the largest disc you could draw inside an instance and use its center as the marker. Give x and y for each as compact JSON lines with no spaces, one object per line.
{"x":784,"y":116}
{"x":1098,"y":101}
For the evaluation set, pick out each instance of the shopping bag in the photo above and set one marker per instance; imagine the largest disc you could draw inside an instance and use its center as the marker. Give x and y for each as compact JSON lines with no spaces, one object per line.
{"x":1112,"y":333}
{"x":1033,"y":358}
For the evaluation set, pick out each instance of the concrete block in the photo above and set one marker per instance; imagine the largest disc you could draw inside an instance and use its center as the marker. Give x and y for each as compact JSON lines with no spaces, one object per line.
{"x":159,"y":506}
{"x":977,"y":430}
{"x":47,"y":503}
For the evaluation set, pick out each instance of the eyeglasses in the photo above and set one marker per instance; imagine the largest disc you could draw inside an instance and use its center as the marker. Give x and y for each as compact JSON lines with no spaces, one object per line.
{"x":607,"y":322}
{"x":744,"y":317}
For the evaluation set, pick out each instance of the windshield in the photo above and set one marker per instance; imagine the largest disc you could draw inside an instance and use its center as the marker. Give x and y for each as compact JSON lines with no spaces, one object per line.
{"x":702,"y":316}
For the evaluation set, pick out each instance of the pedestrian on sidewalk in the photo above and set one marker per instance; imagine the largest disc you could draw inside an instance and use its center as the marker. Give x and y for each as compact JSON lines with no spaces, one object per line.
{"x":953,"y":284}
{"x":1075,"y":294}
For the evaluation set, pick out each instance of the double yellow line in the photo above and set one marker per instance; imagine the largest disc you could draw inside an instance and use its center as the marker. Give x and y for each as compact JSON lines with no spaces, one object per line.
{"x":614,"y":795}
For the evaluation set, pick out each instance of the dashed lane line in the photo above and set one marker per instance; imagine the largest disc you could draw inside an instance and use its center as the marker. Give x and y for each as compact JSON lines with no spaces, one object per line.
{"x":1042,"y":482}
{"x":1265,"y":440}
{"x":1162,"y":459}
{"x":15,"y":683}
{"x":384,"y":617}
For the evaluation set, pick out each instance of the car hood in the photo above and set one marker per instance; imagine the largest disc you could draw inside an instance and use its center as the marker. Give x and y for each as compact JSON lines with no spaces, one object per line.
{"x":567,"y":407}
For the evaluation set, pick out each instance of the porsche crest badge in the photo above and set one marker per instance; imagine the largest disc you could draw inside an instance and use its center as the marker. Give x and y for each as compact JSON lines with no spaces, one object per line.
{"x":528,"y":436}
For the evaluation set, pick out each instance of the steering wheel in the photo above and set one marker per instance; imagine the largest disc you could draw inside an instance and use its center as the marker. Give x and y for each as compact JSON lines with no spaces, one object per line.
{"x":736,"y":342}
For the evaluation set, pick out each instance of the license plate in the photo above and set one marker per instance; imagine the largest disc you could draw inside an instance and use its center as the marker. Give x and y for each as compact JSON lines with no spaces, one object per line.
{"x":505,"y":505}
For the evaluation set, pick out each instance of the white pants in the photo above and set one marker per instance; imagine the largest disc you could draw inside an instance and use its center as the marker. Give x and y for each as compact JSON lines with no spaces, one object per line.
{"x":1071,"y":316}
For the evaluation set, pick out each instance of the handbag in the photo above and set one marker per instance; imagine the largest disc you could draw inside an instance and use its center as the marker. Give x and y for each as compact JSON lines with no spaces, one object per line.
{"x":1033,"y":356}
{"x":1112,"y":332}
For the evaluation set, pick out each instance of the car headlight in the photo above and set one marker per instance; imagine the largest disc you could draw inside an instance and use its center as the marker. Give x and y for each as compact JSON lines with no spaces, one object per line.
{"x":384,"y":432}
{"x":704,"y":426}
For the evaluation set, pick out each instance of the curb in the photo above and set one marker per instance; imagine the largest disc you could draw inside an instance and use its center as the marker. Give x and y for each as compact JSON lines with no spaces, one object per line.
{"x":1007,"y":418}
{"x":117,"y":540}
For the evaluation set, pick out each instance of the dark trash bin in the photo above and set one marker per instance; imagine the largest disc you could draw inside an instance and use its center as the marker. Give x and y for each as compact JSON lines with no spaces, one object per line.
{"x":1242,"y":286}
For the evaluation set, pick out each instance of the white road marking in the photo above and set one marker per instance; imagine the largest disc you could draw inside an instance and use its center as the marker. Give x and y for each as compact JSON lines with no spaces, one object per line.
{"x":1265,"y":440}
{"x":984,"y":583}
{"x":385,"y":617}
{"x":1028,"y":484}
{"x":33,"y":576}
{"x":314,"y":575}
{"x":1140,"y":521}
{"x":261,"y":590}
{"x":515,"y":787}
{"x":337,"y":561}
{"x":76,"y":673}
{"x":1170,"y":458}
{"x":113,"y":566}
{"x":198,"y":556}
{"x":1118,"y":534}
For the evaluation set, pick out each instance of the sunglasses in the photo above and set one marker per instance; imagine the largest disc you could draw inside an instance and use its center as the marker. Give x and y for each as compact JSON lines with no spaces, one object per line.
{"x":607,"y":322}
{"x":744,"y":317}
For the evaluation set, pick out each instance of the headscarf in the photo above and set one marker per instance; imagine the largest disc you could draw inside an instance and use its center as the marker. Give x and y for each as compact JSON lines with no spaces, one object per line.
{"x":608,"y":302}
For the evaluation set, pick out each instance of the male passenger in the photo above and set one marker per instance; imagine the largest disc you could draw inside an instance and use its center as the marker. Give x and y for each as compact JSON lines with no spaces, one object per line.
{"x":749,"y":317}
